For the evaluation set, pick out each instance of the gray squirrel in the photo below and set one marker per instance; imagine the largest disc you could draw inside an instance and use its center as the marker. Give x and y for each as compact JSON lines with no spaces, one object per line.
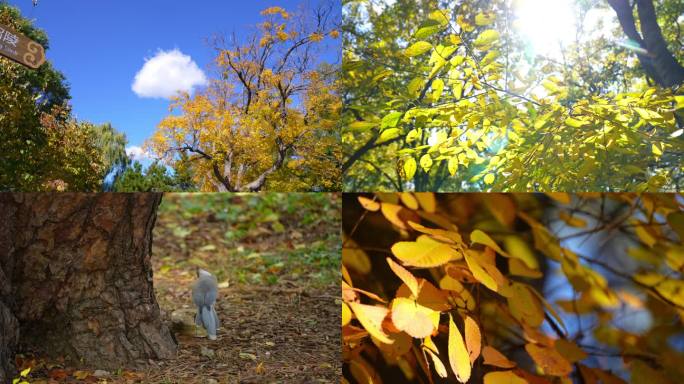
{"x":204,"y":293}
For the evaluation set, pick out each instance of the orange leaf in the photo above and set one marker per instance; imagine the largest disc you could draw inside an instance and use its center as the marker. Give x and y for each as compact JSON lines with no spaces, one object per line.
{"x":493,"y":357}
{"x":549,"y":360}
{"x":503,"y":377}
{"x":473,"y":338}
{"x":369,"y":204}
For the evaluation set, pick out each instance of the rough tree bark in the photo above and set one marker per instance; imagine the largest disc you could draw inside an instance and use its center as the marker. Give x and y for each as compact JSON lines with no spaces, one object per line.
{"x":76,"y":279}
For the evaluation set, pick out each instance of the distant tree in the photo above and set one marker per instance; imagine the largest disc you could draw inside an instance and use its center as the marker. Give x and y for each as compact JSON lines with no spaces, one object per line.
{"x":269,"y":121}
{"x":155,"y":178}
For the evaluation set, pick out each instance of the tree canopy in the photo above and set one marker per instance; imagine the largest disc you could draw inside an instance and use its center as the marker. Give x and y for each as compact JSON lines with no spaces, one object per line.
{"x":43,"y":146}
{"x":513,"y":288}
{"x":269,"y":119}
{"x":449,"y":95}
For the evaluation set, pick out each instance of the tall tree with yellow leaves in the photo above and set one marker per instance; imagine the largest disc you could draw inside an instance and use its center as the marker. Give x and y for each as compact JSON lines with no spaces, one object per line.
{"x":269,"y":119}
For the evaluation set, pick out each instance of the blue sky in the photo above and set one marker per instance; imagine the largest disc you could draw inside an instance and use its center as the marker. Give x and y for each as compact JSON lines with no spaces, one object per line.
{"x":101,"y":45}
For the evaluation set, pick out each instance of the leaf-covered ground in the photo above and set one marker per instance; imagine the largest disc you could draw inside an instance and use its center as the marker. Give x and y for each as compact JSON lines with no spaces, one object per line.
{"x":277,"y":260}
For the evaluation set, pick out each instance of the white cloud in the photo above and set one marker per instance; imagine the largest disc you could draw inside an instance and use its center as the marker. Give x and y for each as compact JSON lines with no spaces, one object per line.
{"x":137,"y":153}
{"x":168,"y":72}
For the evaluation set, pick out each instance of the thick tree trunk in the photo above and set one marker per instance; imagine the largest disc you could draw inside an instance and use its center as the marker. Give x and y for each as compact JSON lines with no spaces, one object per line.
{"x":659,"y":63}
{"x":78,"y":279}
{"x":671,"y":72}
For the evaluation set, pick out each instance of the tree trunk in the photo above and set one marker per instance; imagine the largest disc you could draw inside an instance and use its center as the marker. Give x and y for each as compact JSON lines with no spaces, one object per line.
{"x":659,"y":63}
{"x":78,"y":279}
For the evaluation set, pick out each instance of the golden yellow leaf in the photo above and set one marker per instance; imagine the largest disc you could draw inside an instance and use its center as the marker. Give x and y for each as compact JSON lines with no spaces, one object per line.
{"x":401,"y":344}
{"x":363,"y":372}
{"x":503,"y":377}
{"x":549,"y":360}
{"x":405,"y":276}
{"x":439,"y":366}
{"x":458,"y":355}
{"x":369,"y":204}
{"x":464,"y":299}
{"x":572,"y":221}
{"x":518,"y":248}
{"x":501,"y":206}
{"x":398,"y":215}
{"x":371,"y":318}
{"x":413,"y":318}
{"x":560,"y":197}
{"x":479,"y":237}
{"x":569,"y":350}
{"x":473,"y":338}
{"x":355,"y":257}
{"x":524,"y":305}
{"x":480,"y":274}
{"x":443,"y":235}
{"x":519,"y":268}
{"x":409,"y":200}
{"x":346,"y":314}
{"x":427,"y":201}
{"x":493,"y":357}
{"x":429,"y":344}
{"x":424,"y":252}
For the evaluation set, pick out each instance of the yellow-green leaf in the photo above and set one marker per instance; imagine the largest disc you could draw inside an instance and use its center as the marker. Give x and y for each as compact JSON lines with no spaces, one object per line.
{"x":410,"y":168}
{"x":426,"y":162}
{"x":418,"y":48}
{"x":453,"y":165}
{"x":489,"y":178}
{"x":486,"y":38}
{"x":484,"y":19}
{"x":362,"y":125}
{"x":656,"y":149}
{"x":388,"y":134}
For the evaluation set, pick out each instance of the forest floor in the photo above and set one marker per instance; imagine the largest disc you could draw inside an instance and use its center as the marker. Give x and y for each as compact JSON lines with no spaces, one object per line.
{"x":277,"y":260}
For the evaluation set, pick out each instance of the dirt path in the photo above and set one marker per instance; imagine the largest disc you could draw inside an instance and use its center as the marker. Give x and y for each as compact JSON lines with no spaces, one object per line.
{"x":269,"y":335}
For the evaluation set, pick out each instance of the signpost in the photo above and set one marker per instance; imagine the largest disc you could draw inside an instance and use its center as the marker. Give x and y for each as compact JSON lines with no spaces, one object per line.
{"x":20,"y":48}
